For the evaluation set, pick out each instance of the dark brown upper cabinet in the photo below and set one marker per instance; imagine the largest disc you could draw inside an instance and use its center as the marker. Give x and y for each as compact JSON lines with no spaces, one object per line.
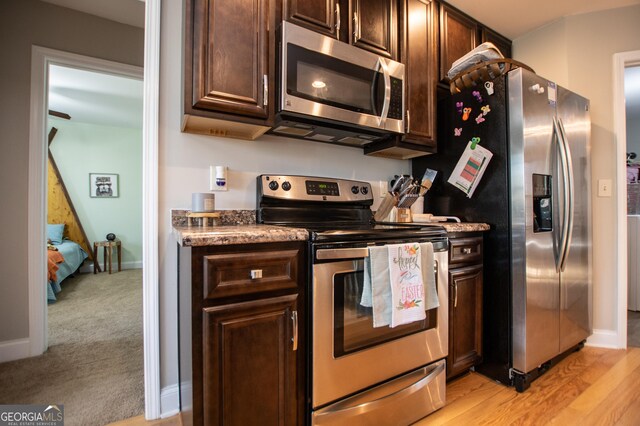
{"x":501,"y":42}
{"x":374,"y":26}
{"x":322,"y":16}
{"x":229,"y":67}
{"x":419,"y":54}
{"x":369,"y":24}
{"x":458,"y":35}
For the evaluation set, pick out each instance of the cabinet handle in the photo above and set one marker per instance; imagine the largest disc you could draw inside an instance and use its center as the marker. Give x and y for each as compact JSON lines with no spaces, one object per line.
{"x":338,"y":20}
{"x":408,"y":122}
{"x":294,"y":338}
{"x":265,"y":86}
{"x":455,"y":295}
{"x":356,"y":27}
{"x":256,"y":273}
{"x":466,"y":250}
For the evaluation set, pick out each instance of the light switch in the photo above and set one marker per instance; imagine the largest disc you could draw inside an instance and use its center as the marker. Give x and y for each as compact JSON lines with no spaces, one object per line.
{"x":604,"y":187}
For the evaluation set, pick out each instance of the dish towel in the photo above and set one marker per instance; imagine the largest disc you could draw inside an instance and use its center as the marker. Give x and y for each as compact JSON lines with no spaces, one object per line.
{"x":377,"y":288}
{"x":376,"y":292}
{"x":429,"y":276}
{"x":407,"y":285}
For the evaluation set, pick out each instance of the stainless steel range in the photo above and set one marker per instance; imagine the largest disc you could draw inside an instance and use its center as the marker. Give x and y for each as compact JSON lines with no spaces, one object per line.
{"x":359,"y":374}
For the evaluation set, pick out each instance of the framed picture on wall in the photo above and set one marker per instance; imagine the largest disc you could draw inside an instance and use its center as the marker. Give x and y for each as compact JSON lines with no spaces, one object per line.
{"x":103,"y":185}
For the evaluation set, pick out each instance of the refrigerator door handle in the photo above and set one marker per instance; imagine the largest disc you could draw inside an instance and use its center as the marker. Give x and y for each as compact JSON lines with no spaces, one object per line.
{"x":570,"y":188}
{"x":565,"y":196}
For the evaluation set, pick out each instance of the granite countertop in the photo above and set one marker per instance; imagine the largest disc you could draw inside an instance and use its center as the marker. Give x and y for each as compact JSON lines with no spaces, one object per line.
{"x":241,"y":234}
{"x":454,"y":227}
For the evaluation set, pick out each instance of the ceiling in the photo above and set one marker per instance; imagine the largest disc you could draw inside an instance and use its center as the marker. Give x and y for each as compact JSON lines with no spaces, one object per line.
{"x":516,"y":18}
{"x":96,"y":98}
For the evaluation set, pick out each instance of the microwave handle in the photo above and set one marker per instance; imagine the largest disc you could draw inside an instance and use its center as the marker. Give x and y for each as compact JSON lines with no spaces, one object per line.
{"x":382,"y":64}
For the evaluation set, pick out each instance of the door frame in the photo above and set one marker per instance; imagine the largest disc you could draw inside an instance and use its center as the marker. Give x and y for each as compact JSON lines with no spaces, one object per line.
{"x":41,"y":58}
{"x":620,"y":62}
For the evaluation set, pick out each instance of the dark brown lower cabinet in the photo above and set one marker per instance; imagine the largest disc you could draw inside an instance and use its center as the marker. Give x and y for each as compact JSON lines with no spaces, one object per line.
{"x":249,"y":363}
{"x":465,"y":305}
{"x":241,"y":334}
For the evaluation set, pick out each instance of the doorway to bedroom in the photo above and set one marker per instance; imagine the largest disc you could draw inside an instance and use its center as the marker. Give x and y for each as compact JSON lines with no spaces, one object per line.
{"x":94,"y":193}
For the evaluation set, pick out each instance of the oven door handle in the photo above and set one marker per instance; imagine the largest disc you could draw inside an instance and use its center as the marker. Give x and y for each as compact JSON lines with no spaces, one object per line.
{"x":433,"y":371}
{"x":341,"y":253}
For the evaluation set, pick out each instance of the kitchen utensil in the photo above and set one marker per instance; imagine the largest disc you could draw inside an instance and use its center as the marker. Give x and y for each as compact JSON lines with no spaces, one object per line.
{"x":407,"y":200}
{"x":387,"y":204}
{"x":427,"y":180}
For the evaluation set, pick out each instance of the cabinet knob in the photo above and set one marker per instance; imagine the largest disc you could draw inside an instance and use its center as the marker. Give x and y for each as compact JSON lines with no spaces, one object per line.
{"x":256,"y":273}
{"x":466,"y":250}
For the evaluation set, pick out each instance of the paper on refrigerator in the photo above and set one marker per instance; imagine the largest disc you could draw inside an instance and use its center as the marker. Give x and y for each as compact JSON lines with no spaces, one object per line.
{"x":468,"y":172}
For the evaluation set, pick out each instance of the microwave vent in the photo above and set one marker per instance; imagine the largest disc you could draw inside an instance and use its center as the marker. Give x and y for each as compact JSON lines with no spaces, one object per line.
{"x":353,"y":140}
{"x":321,"y":137}
{"x":295,"y":131}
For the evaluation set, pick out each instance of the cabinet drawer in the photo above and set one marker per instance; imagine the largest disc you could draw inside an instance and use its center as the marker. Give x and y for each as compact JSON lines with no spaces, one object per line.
{"x":465,"y":250}
{"x":235,"y":274}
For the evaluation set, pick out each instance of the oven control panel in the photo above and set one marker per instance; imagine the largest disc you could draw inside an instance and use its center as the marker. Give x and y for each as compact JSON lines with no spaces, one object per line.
{"x":312,"y":188}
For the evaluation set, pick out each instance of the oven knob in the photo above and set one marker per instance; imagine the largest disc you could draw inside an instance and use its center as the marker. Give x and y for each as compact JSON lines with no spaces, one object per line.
{"x":273,"y":185}
{"x":355,"y":189}
{"x":364,"y":190}
{"x":286,"y":185}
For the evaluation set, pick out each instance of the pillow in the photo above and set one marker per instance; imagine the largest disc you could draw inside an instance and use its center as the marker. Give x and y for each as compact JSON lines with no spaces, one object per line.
{"x":55,"y":232}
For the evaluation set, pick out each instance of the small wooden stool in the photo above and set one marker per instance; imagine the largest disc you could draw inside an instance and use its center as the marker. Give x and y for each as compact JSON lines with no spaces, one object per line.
{"x":107,"y":248}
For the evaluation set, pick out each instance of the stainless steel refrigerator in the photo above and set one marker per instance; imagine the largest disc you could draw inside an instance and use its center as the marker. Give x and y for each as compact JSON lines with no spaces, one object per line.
{"x":535,"y":194}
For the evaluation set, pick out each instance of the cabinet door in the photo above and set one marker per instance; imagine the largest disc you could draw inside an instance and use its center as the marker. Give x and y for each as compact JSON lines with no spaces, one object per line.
{"x":230,"y":47}
{"x":374,"y":26}
{"x":419,"y":54}
{"x":249,"y":363}
{"x":317,"y":15}
{"x":458,"y":34}
{"x":502,"y":43}
{"x":465,"y":319}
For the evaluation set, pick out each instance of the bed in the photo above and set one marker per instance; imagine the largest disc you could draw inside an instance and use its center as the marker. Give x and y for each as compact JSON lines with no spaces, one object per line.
{"x":64,"y":258}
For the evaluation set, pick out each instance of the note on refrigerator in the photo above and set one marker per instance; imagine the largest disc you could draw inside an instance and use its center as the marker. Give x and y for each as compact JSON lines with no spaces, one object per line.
{"x":470,"y":168}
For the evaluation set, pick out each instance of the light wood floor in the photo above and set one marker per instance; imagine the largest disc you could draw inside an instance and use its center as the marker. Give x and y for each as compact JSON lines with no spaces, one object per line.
{"x":592,"y":387}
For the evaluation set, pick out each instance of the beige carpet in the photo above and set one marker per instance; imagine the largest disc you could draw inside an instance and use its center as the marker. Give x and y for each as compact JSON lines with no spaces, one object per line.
{"x":94,"y":365}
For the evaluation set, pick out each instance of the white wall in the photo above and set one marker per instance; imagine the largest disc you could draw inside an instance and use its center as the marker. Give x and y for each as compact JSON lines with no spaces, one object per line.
{"x":81,"y":148}
{"x":184,"y":168}
{"x":577,"y":52}
{"x":24,"y":23}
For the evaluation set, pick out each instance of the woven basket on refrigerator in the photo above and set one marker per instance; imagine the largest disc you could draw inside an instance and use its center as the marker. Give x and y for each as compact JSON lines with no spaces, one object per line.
{"x":483,"y":71}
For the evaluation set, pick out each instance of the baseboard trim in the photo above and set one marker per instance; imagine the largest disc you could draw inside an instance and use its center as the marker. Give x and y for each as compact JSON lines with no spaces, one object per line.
{"x":12,"y":350}
{"x":604,"y":339}
{"x":88,"y":267}
{"x":169,"y":401}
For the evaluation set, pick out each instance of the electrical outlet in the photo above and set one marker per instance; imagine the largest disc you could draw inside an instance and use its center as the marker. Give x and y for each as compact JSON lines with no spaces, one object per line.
{"x":604,"y":187}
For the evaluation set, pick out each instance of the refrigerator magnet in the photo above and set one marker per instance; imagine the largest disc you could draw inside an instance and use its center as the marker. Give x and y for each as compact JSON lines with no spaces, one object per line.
{"x":489,"y":87}
{"x":465,"y":113}
{"x":471,"y":166}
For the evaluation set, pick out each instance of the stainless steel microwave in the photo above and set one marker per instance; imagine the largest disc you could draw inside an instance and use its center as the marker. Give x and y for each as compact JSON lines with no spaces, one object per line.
{"x":326,"y":79}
